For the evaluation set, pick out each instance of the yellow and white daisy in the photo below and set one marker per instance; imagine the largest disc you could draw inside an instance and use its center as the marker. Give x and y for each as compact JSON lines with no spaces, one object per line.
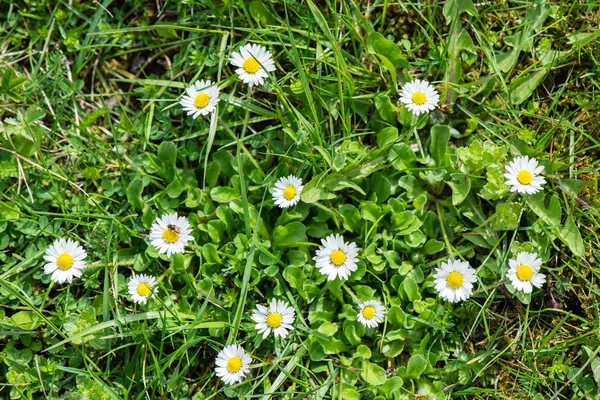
{"x":454,"y":280}
{"x":278,"y":317}
{"x":65,"y":260}
{"x":170,"y":234}
{"x":287,"y":191}
{"x":201,"y":98}
{"x":419,"y":96}
{"x":141,"y":287}
{"x":523,"y":272}
{"x":253,"y":62}
{"x":232,"y":364}
{"x":523,"y":175}
{"x":336,"y":258}
{"x":371,"y":313}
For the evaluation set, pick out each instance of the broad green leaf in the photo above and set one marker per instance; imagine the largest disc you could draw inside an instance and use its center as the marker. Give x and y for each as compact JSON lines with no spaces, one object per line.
{"x":579,"y":40}
{"x":296,"y":278}
{"x":387,"y":137}
{"x":506,"y":216}
{"x":373,"y":374}
{"x":222,"y":194}
{"x":416,"y":366}
{"x":380,"y":45}
{"x":352,"y":219}
{"x":495,"y":188}
{"x":402,"y":157}
{"x":315,"y":190}
{"x":480,"y":155}
{"x":167,"y":154}
{"x":453,"y":8}
{"x":26,"y":320}
{"x":391,"y":386}
{"x":261,"y":13}
{"x":134,"y":194}
{"x":440,"y":135}
{"x":572,"y":237}
{"x":9,"y":211}
{"x":290,"y":235}
{"x":524,"y":85}
{"x":548,"y":208}
{"x":386,"y":109}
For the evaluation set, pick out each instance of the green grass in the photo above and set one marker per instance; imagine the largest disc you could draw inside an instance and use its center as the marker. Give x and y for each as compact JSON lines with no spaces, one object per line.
{"x":94,"y":146}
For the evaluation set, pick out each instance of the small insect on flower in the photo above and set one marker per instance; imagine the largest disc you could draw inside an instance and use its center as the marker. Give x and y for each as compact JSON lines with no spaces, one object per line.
{"x":336,"y":258}
{"x":454,"y":280}
{"x":253,"y":62}
{"x":523,"y":272}
{"x":141,"y":287}
{"x":65,"y":260}
{"x":170,"y":234}
{"x":233,"y":364}
{"x":419,"y":96}
{"x":201,"y":98}
{"x":370,"y":313}
{"x":287,"y":191}
{"x":523,"y":175}
{"x":278,"y":317}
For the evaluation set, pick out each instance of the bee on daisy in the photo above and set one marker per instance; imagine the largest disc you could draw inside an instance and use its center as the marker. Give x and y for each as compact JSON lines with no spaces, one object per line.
{"x":287,"y":191}
{"x":523,"y":272}
{"x":370,"y":313}
{"x":65,"y":260}
{"x":336,"y":258}
{"x":170,"y":234}
{"x":277,"y":318}
{"x":233,"y":364}
{"x":419,"y":96}
{"x":141,"y":287}
{"x":454,"y":280}
{"x":253,"y":63}
{"x":201,"y":98}
{"x":523,"y":175}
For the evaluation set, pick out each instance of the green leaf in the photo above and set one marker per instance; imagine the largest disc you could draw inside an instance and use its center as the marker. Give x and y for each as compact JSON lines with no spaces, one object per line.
{"x":411,"y":289}
{"x":222,"y":194}
{"x":352,"y":219}
{"x":453,"y":8}
{"x":261,"y":13}
{"x":391,"y":386}
{"x":387,"y":136}
{"x":174,"y":189}
{"x":290,"y":235}
{"x":386,"y":109}
{"x":373,"y":374}
{"x":26,"y":320}
{"x":167,"y":154}
{"x":416,"y":366}
{"x":314,"y":191}
{"x":495,"y":188}
{"x":134,"y":194}
{"x":296,"y":278}
{"x":380,"y":45}
{"x":524,"y":85}
{"x":480,"y":155}
{"x":572,"y":237}
{"x":392,"y":349}
{"x":9,"y":211}
{"x":548,"y":208}
{"x":440,"y":135}
{"x":402,"y":157}
{"x":506,"y":216}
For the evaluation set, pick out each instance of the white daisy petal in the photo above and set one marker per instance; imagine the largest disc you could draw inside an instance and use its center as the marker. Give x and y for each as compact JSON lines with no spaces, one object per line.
{"x":201,"y":98}
{"x":522,"y":175}
{"x":64,"y":260}
{"x":170,"y":234}
{"x":454,"y":280}
{"x":334,"y":258}
{"x":371,"y":313}
{"x":419,"y":97}
{"x":276,"y":318}
{"x":232,"y":364}
{"x":523,"y":272}
{"x":141,"y":288}
{"x":287,"y":191}
{"x":253,"y":62}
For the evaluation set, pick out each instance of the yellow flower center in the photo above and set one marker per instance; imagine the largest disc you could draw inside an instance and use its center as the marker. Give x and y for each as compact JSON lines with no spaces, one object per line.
{"x":368,"y":312}
{"x":289,"y":192}
{"x":419,"y":98}
{"x":524,"y":177}
{"x":455,"y":279}
{"x":234,"y":364}
{"x":170,"y":235}
{"x":64,"y":261}
{"x":143,"y":289}
{"x":274,"y":320}
{"x":524,"y":272}
{"x":251,"y":65}
{"x":337,"y":257}
{"x":202,"y":100}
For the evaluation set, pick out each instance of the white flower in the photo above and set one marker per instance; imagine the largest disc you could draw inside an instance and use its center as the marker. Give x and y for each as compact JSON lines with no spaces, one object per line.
{"x":278,"y":317}
{"x":201,"y":99}
{"x":523,"y":175}
{"x":523,"y":272}
{"x":336,"y":258}
{"x":371,"y":313}
{"x":232,"y":364}
{"x":65,"y":260}
{"x":419,"y":96}
{"x":454,"y":280}
{"x":141,"y":288}
{"x":253,"y":62}
{"x":170,"y":234}
{"x":287,"y":191}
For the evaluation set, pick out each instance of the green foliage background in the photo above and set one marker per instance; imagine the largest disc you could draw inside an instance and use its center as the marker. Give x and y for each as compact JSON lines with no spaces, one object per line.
{"x":94,"y":146}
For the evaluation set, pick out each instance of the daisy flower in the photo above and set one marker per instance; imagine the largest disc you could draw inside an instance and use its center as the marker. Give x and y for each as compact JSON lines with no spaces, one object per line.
{"x":523,"y":272}
{"x":371,"y":313}
{"x":454,"y":280}
{"x":523,"y":175}
{"x":253,"y":62}
{"x":232,"y":364}
{"x":287,"y":191}
{"x":141,"y":288}
{"x":278,"y":317}
{"x":419,"y":97}
{"x":65,"y":260}
{"x":170,"y":234}
{"x":336,"y":258}
{"x":201,"y":98}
